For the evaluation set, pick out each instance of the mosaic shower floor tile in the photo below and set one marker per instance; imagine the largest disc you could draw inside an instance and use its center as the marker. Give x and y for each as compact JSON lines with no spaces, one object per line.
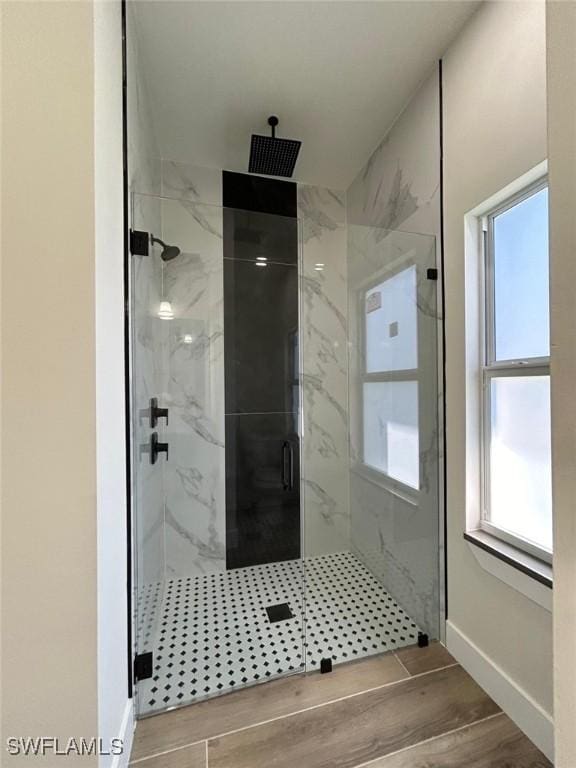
{"x":214,"y":634}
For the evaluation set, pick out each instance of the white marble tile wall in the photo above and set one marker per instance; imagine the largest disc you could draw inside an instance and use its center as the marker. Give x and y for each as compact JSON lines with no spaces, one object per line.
{"x":194,"y":477}
{"x":398,"y":189}
{"x":325,"y":371}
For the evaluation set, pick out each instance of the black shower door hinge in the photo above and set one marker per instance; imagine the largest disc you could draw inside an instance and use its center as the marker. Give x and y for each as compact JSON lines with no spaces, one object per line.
{"x":143,"y":664}
{"x":139,"y":242}
{"x":432,"y":273}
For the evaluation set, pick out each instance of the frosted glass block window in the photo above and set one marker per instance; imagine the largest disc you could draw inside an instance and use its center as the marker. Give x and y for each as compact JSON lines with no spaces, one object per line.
{"x":391,"y":429}
{"x":392,"y":324}
{"x":520,"y":475}
{"x":517,"y":503}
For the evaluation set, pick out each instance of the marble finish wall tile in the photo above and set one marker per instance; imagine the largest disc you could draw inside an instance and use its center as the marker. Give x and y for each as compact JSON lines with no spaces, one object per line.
{"x":194,"y":477}
{"x":192,"y":183}
{"x":399,"y":187}
{"x":325,"y":370}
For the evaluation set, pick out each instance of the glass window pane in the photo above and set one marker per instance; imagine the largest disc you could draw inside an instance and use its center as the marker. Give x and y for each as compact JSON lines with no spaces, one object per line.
{"x":520,"y":457}
{"x":391,"y":429}
{"x":521,"y":309}
{"x":392,"y":324}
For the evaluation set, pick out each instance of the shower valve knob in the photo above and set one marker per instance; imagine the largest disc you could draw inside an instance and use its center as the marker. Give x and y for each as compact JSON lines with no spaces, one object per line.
{"x":156,"y":448}
{"x":154,"y":413}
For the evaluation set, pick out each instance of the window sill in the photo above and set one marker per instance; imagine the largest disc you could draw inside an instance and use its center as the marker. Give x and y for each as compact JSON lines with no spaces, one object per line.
{"x":394,"y":487}
{"x":521,"y":571}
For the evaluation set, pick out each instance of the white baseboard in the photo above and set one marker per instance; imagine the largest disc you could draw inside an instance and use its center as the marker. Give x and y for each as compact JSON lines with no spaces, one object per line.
{"x":528,"y":715}
{"x":127,"y":736}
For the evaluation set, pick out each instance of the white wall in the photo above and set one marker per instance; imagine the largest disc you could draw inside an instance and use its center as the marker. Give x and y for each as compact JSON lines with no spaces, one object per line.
{"x":63,"y":494}
{"x":114,"y":708}
{"x":49,"y":564}
{"x":561,"y":52}
{"x":494,"y":131}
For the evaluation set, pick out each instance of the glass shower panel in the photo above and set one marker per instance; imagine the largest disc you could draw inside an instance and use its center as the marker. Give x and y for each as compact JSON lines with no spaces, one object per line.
{"x":393,"y":411}
{"x":216,"y":449}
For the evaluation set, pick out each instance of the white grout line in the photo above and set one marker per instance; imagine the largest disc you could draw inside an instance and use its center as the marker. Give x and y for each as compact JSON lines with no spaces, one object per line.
{"x":401,"y":664}
{"x":298,"y":712}
{"x":169,"y":752}
{"x":427,"y":741}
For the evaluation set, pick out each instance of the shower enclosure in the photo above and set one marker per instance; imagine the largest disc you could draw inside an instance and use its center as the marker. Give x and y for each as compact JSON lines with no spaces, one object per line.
{"x":284,"y":445}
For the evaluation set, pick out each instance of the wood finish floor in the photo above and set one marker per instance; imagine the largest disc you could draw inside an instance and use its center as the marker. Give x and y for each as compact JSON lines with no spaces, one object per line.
{"x":415,"y":708}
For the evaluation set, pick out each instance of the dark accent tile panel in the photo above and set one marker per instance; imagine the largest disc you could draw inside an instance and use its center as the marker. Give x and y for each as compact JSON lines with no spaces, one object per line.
{"x":260,"y":338}
{"x":262,"y":489}
{"x":252,"y":236}
{"x":253,"y":193}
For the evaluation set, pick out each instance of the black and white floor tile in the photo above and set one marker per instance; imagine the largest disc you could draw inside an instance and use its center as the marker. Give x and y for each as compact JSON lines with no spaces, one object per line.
{"x":213,"y":634}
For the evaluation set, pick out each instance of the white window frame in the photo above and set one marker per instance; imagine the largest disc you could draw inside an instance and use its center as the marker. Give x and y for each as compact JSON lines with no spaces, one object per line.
{"x":397,"y":487}
{"x":490,"y":369}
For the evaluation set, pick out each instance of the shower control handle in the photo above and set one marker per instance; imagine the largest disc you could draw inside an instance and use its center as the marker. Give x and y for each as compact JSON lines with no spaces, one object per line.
{"x":157,"y":413}
{"x":154,"y":413}
{"x":156,"y":448}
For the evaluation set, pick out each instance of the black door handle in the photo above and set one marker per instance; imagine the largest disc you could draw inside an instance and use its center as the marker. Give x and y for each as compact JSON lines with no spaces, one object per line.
{"x":291,"y":466}
{"x":286,"y":465}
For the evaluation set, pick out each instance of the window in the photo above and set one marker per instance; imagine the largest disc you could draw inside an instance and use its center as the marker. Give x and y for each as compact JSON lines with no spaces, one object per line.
{"x":390,"y":380}
{"x":517,"y":487}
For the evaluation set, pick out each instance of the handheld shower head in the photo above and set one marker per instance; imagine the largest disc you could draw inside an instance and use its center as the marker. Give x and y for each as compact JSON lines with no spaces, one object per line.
{"x":169,"y":252}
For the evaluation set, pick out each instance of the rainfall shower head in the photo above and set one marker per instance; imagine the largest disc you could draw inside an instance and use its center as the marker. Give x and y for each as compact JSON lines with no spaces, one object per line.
{"x":169,"y":252}
{"x":271,"y":156}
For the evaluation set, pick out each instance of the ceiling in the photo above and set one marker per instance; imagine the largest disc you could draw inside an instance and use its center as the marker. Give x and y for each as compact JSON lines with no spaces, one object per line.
{"x":337,"y":73}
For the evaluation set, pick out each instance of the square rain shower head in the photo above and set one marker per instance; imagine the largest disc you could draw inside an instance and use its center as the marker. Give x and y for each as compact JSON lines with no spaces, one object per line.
{"x":273,"y":157}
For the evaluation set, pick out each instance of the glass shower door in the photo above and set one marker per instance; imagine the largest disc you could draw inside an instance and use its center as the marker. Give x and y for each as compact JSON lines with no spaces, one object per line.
{"x":216,"y":444}
{"x":394,"y":424}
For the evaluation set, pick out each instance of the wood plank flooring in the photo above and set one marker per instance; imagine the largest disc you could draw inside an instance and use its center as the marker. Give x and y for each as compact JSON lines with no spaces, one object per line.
{"x":260,"y":703}
{"x":487,"y":744}
{"x":415,"y":708}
